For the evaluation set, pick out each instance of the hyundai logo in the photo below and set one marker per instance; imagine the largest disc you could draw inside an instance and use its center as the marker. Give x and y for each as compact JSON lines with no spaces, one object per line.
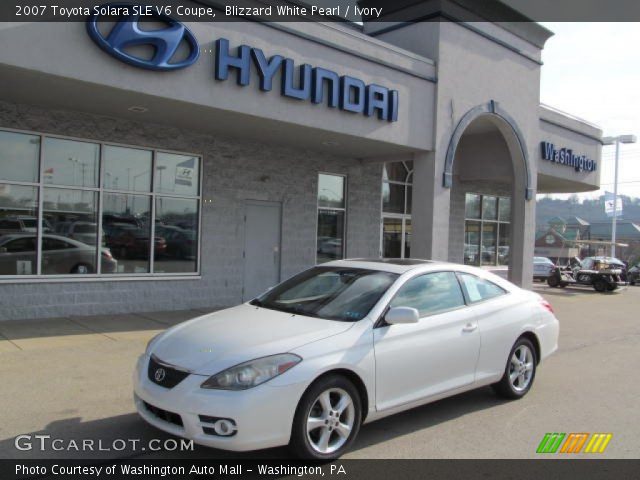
{"x":160,"y":374}
{"x":126,"y":33}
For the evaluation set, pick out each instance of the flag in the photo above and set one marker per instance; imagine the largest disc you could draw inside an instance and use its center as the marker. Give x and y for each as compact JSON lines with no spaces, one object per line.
{"x":608,"y":205}
{"x":185,"y":172}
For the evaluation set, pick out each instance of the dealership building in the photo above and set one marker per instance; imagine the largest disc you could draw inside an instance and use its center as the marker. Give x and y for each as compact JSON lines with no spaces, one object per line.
{"x":171,"y":168}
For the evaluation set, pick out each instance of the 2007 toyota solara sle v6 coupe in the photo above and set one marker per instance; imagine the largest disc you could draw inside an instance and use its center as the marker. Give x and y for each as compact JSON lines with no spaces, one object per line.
{"x":351,"y":341}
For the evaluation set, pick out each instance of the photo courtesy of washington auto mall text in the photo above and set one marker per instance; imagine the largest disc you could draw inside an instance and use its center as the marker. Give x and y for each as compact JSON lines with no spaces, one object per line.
{"x":359,"y":239}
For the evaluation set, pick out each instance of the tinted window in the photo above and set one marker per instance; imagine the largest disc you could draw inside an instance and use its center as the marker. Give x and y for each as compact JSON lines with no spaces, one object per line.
{"x":21,"y":245}
{"x":430,"y":293}
{"x":478,"y":289}
{"x":49,"y":243}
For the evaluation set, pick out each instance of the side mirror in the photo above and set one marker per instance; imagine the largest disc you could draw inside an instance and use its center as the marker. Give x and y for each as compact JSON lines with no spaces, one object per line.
{"x":400,"y":315}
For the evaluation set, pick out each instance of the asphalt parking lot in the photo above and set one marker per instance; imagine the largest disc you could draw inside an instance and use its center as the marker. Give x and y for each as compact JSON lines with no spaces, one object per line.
{"x":71,"y":378}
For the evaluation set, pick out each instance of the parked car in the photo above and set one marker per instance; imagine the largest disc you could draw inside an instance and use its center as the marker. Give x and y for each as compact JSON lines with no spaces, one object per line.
{"x":310,"y":360}
{"x":21,"y":223}
{"x":60,"y":255}
{"x":180,"y":243}
{"x":542,"y":268}
{"x":85,"y":232}
{"x":633,"y":274}
{"x":128,"y":241}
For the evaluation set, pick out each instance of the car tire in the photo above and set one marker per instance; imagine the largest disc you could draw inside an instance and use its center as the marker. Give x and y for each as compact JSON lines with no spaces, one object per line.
{"x":328,"y":406}
{"x":519,"y":372}
{"x":82,"y":268}
{"x":599,"y":285}
{"x":553,"y":282}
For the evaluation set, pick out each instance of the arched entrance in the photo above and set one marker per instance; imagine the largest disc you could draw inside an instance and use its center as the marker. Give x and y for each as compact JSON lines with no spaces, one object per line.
{"x":488,"y":172}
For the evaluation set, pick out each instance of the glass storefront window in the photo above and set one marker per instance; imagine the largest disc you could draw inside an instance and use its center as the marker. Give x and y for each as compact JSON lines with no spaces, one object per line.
{"x":70,"y":231}
{"x":19,"y":157}
{"x":472,"y":206}
{"x":487,"y":230}
{"x":70,"y":163}
{"x":75,"y":238}
{"x":127,"y":231}
{"x":176,"y":174}
{"x":330,"y":235}
{"x":392,"y":238}
{"x":176,"y":235}
{"x":127,"y":169}
{"x":330,"y":191}
{"x":18,"y":229}
{"x":393,"y":198}
{"x":330,"y":239}
{"x":489,"y":207}
{"x":504,"y":214}
{"x":396,"y":209}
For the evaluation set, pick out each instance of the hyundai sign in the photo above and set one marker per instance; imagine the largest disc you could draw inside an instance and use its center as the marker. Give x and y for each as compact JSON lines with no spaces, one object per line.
{"x":302,"y":82}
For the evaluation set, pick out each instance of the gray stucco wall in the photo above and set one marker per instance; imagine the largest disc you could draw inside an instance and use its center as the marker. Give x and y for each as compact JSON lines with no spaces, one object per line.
{"x":234,"y":171}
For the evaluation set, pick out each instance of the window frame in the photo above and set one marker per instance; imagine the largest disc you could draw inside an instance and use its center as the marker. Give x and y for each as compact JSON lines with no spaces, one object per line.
{"x":467,"y":300}
{"x":381,"y":321}
{"x":404,"y":216}
{"x":334,"y":209}
{"x":482,"y":220}
{"x":40,"y":185}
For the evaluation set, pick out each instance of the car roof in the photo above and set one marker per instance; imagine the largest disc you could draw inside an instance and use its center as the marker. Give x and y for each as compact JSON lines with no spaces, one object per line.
{"x":401,"y":266}
{"x":15,"y":236}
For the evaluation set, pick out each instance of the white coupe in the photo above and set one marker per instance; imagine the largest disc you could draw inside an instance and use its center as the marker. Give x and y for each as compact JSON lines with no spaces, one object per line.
{"x":338,"y":345}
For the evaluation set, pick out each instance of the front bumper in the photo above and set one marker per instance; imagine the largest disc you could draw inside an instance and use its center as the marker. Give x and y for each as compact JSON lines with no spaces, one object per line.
{"x":263,"y":415}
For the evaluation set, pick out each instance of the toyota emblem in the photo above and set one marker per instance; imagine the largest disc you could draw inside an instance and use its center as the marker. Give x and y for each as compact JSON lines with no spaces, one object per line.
{"x":160,"y":374}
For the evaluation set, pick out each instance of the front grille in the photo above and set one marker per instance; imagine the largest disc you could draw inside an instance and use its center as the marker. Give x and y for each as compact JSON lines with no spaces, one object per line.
{"x":164,"y":414}
{"x":164,"y":375}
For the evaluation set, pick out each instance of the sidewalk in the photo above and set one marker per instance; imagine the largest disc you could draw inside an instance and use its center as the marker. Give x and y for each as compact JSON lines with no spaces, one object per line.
{"x":65,"y":332}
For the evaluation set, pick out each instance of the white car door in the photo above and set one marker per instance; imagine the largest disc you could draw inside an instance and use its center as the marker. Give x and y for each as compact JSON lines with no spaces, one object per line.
{"x":437,"y":354}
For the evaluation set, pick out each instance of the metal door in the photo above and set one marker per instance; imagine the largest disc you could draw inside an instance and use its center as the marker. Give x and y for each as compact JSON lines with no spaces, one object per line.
{"x":261,"y":247}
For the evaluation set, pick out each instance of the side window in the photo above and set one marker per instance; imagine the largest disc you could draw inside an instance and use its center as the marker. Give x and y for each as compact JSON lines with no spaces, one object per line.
{"x":478,"y":289}
{"x":54,"y":244}
{"x":27,"y":244}
{"x":430,"y":293}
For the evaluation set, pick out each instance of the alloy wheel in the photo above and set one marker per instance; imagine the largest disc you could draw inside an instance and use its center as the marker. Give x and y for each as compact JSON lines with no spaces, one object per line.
{"x":330,"y":420}
{"x":521,"y":368}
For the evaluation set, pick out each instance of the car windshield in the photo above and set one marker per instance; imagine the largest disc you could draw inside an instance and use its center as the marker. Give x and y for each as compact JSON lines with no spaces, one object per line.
{"x":333,"y":293}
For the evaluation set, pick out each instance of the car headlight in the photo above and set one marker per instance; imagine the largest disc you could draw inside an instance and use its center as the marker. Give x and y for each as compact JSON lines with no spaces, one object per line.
{"x":252,"y":373}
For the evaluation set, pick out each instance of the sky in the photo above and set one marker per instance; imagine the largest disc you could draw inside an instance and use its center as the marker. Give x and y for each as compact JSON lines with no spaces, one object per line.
{"x":592,"y":70}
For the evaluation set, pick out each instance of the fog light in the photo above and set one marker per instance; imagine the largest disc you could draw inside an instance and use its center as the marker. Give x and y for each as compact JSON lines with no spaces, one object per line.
{"x":224,"y":427}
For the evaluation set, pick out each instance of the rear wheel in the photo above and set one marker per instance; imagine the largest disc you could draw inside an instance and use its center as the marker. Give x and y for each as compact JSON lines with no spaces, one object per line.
{"x":519,"y":371}
{"x":327,"y":419}
{"x":599,"y":285}
{"x":553,"y":281}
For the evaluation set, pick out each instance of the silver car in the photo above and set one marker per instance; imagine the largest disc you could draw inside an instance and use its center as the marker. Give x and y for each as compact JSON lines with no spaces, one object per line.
{"x":60,"y":255}
{"x":542,"y":267}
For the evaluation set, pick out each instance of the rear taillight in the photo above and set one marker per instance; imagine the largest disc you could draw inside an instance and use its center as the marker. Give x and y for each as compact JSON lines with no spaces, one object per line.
{"x":107,"y":254}
{"x":546,"y":305}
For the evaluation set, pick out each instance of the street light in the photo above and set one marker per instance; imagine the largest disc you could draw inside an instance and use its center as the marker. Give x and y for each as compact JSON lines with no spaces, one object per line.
{"x":617,"y":141}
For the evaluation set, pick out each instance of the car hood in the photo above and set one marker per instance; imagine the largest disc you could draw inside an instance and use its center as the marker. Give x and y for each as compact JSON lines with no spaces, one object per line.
{"x":213,"y":342}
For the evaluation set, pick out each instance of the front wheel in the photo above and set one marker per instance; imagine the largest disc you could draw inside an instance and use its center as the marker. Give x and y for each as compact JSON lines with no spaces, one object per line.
{"x":553,"y":281}
{"x":519,"y":372}
{"x":327,"y":419}
{"x":599,"y":285}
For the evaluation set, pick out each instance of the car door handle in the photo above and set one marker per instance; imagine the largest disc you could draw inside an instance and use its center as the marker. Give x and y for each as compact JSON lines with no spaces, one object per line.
{"x":470,"y":327}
